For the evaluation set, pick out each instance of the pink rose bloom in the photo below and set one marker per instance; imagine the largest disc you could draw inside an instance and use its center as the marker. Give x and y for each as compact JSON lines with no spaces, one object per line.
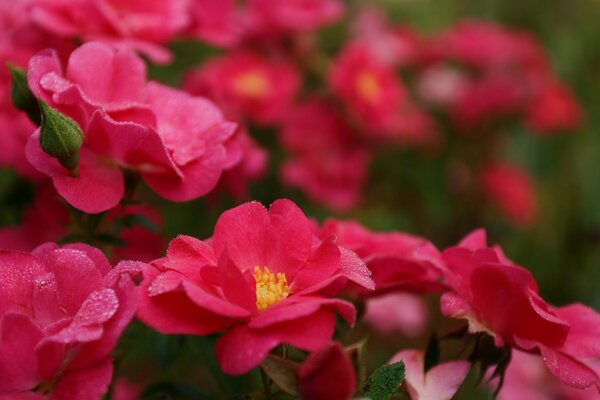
{"x":501,"y":298}
{"x":45,"y":220}
{"x":510,"y":189}
{"x":553,"y":109}
{"x":442,"y":86}
{"x":327,"y":374}
{"x":400,"y":312}
{"x":326,"y":162}
{"x":174,"y":141}
{"x":528,"y":378}
{"x":293,"y":15}
{"x":143,"y":25}
{"x":248,"y":84}
{"x":263,"y":279}
{"x":398,"y":261}
{"x":439,"y":383}
{"x":370,"y":89}
{"x":62,"y":311}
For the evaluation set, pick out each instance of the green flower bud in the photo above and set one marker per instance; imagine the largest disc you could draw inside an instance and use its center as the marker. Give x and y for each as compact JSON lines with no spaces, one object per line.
{"x":60,"y":137}
{"x":21,"y":96}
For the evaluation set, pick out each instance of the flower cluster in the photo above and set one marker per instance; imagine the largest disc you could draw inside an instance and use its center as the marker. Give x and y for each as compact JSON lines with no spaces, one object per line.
{"x":97,"y":98}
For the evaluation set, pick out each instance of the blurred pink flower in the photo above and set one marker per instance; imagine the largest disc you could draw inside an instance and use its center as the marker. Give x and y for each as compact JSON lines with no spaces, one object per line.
{"x":62,"y":311}
{"x":175,"y":141}
{"x":369,"y":88}
{"x":326,"y":162}
{"x":501,"y":298}
{"x":439,"y":383}
{"x":45,"y":220}
{"x":528,"y":378}
{"x":327,"y":374}
{"x":293,"y":15}
{"x":263,"y":278}
{"x":247,"y":83}
{"x":143,"y":25}
{"x":397,"y":312}
{"x":512,"y":191}
{"x":553,"y":109}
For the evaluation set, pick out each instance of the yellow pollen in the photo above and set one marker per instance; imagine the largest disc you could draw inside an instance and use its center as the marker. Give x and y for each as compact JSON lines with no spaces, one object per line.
{"x":251,"y":84}
{"x":270,"y":289}
{"x":368,"y":86}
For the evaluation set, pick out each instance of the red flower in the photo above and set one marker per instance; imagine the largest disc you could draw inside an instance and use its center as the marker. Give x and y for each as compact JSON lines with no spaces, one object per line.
{"x":263,"y":278}
{"x":248,"y":84}
{"x":62,"y":311}
{"x":327,"y":374}
{"x":553,"y":109}
{"x":512,"y":191}
{"x":398,"y":261}
{"x":501,"y":298}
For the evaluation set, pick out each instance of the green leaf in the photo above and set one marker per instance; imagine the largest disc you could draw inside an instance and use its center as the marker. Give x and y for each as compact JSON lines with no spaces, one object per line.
{"x":385,"y":381}
{"x":21,"y":96}
{"x":60,"y":137}
{"x":283,"y":372}
{"x":141,"y":220}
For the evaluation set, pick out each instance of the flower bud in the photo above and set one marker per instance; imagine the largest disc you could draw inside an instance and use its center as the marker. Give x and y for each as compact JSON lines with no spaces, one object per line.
{"x":60,"y":137}
{"x":21,"y":96}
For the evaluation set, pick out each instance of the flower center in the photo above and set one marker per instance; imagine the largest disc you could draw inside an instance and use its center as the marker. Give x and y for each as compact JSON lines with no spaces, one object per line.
{"x":368,"y":86}
{"x":251,"y":84}
{"x":270,"y":289}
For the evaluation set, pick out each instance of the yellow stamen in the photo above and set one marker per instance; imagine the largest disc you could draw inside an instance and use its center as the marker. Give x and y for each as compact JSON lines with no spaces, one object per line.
{"x":270,"y":289}
{"x":368,"y":86}
{"x":251,"y":84}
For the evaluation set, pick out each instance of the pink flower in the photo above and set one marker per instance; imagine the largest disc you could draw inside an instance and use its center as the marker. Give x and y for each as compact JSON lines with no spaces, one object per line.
{"x":439,"y":383}
{"x":553,"y":109}
{"x":369,"y":88}
{"x":327,"y":374}
{"x":62,"y":311}
{"x":326,"y":161}
{"x":215,"y":21}
{"x":398,"y":261}
{"x":501,"y":298}
{"x":174,"y":141}
{"x":46,"y":219}
{"x":528,"y":378}
{"x":512,"y":191}
{"x":401,"y":312}
{"x":247,"y":162}
{"x":293,"y":15}
{"x":246,"y":83}
{"x":144,"y":25}
{"x":263,"y":278}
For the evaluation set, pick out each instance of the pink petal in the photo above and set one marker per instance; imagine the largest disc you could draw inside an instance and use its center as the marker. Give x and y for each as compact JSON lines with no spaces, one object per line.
{"x":18,"y":362}
{"x":568,"y":369}
{"x":85,"y":384}
{"x":18,"y":272}
{"x":98,"y":187}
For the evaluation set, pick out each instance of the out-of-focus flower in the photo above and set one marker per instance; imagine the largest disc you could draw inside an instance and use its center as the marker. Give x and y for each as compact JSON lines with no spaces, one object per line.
{"x":125,"y":390}
{"x":398,"y":261}
{"x":247,"y":84}
{"x":215,"y":21}
{"x":327,"y":374}
{"x":528,"y":378}
{"x":44,"y":221}
{"x":263,"y":278}
{"x":439,"y":383}
{"x":553,"y":109}
{"x":326,"y":161}
{"x":442,"y":86}
{"x":175,"y":141}
{"x":247,"y":162}
{"x":292,"y":15}
{"x":369,"y":88}
{"x":502,"y":299}
{"x":403,"y":313}
{"x":141,"y":242}
{"x":512,"y":191}
{"x":62,"y":311}
{"x":143,"y":25}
